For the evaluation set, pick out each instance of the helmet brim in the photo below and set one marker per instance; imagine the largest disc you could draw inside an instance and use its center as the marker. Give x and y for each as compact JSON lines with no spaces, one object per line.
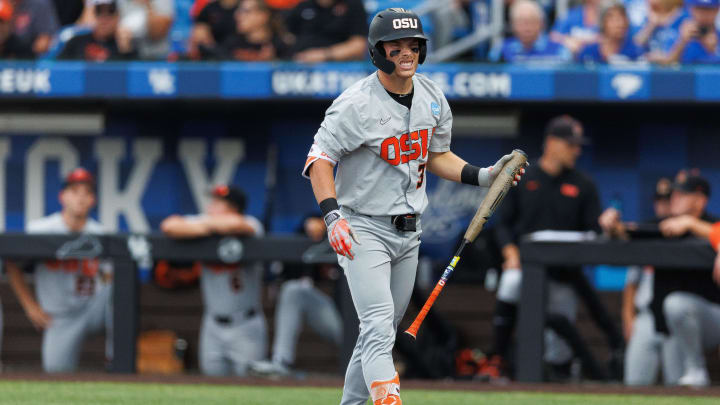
{"x":400,"y":35}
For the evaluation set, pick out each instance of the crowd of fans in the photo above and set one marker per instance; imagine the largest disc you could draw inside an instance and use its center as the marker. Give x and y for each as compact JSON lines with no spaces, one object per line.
{"x":310,"y":31}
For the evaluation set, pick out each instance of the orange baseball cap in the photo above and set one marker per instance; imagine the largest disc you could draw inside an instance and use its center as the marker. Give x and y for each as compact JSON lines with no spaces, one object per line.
{"x":6,"y":10}
{"x":79,"y":175}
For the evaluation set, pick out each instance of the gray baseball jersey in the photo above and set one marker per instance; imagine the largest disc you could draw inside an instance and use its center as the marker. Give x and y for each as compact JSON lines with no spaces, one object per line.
{"x":232,"y":289}
{"x":381,"y":146}
{"x":77,"y":295}
{"x":233,"y":331}
{"x":65,"y":286}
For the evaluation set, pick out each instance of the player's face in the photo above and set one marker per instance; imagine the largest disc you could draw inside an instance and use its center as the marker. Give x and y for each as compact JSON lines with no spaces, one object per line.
{"x":662,"y":207}
{"x":77,"y":199}
{"x":684,"y":203}
{"x":405,"y":53}
{"x":566,"y":153}
{"x":220,"y":206}
{"x":315,"y":228}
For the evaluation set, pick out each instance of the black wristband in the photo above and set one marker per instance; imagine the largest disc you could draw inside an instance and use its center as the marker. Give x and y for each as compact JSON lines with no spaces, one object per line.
{"x":327,"y":205}
{"x":470,"y":175}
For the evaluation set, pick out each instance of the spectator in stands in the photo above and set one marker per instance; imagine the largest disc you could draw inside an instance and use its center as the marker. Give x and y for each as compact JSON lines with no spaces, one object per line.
{"x":10,"y":46}
{"x":148,"y":22}
{"x":637,"y":11}
{"x":69,"y":11}
{"x":614,"y":44}
{"x":258,"y":37}
{"x":103,"y":43}
{"x":698,"y":42}
{"x":300,"y":299}
{"x":213,"y":25}
{"x":687,"y":303}
{"x":647,"y":350}
{"x":661,"y":29}
{"x":35,"y":24}
{"x":529,"y":44}
{"x":328,"y":30}
{"x":579,"y":27}
{"x":233,"y":332}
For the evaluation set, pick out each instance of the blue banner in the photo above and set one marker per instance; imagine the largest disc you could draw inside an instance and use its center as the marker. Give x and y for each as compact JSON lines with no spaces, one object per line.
{"x":459,"y":81}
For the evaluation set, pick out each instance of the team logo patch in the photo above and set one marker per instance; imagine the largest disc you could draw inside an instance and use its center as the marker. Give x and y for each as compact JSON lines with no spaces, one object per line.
{"x":435,"y":108}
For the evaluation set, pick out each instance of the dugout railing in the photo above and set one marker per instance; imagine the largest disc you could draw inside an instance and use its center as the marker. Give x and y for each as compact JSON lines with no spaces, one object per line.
{"x":537,"y":256}
{"x":131,"y":251}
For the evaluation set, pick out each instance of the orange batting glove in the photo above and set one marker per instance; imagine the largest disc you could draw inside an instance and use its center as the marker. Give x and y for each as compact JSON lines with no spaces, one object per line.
{"x":340,"y":234}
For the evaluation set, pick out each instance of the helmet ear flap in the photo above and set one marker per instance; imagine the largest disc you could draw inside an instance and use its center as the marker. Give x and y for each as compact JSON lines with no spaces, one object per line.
{"x":423,"y":51}
{"x":377,"y":56}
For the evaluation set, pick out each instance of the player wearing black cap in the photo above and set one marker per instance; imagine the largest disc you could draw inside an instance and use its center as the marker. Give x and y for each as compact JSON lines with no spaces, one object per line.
{"x":391,"y":127}
{"x":687,"y":303}
{"x":554,"y":196}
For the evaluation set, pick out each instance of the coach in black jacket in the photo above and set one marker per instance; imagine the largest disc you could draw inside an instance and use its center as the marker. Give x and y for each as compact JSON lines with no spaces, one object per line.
{"x":554,"y":196}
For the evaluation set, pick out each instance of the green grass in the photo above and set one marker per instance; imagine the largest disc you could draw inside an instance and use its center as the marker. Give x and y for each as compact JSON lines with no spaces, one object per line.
{"x":49,"y":393}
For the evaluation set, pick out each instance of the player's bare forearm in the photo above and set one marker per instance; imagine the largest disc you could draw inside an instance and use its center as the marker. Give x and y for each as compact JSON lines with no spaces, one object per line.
{"x":179,"y":227}
{"x":229,"y":224}
{"x":628,"y":309}
{"x":322,"y":180}
{"x":446,"y":165}
{"x":19,"y":285}
{"x":354,"y":48}
{"x":700,"y":228}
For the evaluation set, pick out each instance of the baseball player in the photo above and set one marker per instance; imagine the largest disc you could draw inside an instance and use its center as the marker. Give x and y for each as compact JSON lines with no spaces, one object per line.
{"x":233,"y":331}
{"x":383,"y":133}
{"x":74,"y":295}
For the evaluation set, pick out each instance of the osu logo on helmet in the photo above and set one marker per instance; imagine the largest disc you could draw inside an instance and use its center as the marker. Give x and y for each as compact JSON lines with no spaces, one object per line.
{"x":400,"y":23}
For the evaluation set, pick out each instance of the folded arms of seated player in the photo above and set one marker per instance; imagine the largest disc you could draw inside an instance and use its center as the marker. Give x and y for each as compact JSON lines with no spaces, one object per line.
{"x":180,"y":227}
{"x":39,"y":318}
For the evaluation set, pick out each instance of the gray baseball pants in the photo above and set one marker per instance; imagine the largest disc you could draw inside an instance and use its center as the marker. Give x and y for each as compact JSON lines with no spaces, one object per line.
{"x":226,"y":349}
{"x":381,"y":279}
{"x":695,"y":323}
{"x":298,"y":300}
{"x":63,"y":339}
{"x":649,"y":351}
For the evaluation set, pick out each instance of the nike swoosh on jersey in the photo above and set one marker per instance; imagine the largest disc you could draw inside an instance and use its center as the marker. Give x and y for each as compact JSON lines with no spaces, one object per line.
{"x":384,"y":121}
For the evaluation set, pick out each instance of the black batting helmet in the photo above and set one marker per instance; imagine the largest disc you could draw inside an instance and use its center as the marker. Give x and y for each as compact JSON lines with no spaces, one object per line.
{"x":389,"y":25}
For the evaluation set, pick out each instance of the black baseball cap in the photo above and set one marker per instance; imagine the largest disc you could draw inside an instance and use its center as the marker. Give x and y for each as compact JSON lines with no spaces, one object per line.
{"x":231,"y":194}
{"x":567,"y":128}
{"x":693,"y":184}
{"x":79,"y":175}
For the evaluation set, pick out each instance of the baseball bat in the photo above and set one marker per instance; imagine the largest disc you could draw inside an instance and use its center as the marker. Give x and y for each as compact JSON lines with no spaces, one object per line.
{"x":493,"y":198}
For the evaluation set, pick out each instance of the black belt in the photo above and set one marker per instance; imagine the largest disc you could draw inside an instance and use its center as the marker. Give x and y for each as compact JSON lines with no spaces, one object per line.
{"x":405,"y":222}
{"x":228,"y":319}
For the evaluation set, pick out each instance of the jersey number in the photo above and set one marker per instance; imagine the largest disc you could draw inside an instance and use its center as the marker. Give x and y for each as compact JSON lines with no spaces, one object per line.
{"x":405,"y":148}
{"x":421,"y":175}
{"x":84,"y":286}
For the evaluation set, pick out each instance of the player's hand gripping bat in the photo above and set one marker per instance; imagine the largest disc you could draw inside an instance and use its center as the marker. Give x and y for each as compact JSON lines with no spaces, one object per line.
{"x":492,"y":200}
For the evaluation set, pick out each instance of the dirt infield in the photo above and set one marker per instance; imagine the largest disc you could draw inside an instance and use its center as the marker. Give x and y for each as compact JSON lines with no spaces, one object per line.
{"x":336,"y":382}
